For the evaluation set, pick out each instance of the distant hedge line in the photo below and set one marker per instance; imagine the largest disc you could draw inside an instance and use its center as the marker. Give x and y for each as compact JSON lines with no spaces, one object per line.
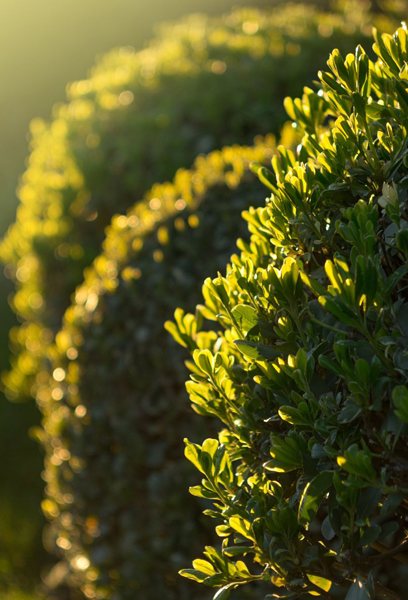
{"x":114,"y":405}
{"x":203,"y":83}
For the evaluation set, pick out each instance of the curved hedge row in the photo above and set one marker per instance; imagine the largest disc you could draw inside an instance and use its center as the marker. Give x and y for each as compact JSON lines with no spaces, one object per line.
{"x":114,"y":403}
{"x":307,"y":364}
{"x":202,"y":84}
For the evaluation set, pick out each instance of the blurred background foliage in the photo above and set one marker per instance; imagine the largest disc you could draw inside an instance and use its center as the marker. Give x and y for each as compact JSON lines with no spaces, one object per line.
{"x":116,"y":433}
{"x":203,"y":83}
{"x":43,"y":46}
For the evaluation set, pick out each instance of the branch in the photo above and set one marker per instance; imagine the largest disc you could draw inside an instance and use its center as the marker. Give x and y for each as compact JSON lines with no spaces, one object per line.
{"x":386,"y":553}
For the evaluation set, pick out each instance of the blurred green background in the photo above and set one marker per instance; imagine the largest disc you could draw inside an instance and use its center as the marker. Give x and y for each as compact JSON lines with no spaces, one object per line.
{"x":44,"y":44}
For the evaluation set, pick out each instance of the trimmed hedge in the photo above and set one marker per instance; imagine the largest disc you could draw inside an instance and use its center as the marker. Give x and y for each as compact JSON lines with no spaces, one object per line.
{"x":309,"y":372}
{"x":114,"y":403}
{"x":201,"y":84}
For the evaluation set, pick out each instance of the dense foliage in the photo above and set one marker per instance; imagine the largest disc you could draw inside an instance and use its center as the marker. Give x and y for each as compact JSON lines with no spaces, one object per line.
{"x":308,"y":365}
{"x":202,"y":84}
{"x":113,"y":396}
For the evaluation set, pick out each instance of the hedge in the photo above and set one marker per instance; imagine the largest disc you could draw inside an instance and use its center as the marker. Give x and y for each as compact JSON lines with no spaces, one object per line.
{"x":307,"y":365}
{"x":203,"y":83}
{"x":113,"y":397}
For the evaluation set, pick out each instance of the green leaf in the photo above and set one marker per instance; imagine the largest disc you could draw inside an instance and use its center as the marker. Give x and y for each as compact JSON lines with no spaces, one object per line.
{"x":366,"y":279}
{"x":193,"y":453}
{"x":310,"y":556}
{"x":394,"y":279}
{"x":225,"y":592}
{"x":204,"y":360}
{"x":296,"y":416}
{"x":237,"y":550}
{"x":242,"y":527}
{"x":314,"y":285}
{"x":350,"y":412}
{"x":246,"y":316}
{"x":257,"y":351}
{"x":339,"y":310}
{"x":358,"y":463}
{"x":321,"y":582}
{"x":330,"y":365}
{"x":368,"y":503}
{"x":400,"y":399}
{"x":248,"y":349}
{"x":327,"y":530}
{"x":193,"y":574}
{"x":359,"y":104}
{"x":402,"y":240}
{"x":289,"y":523}
{"x":286,"y":455}
{"x":391,"y":504}
{"x":203,"y":566}
{"x":370,"y":535}
{"x":313,"y":495}
{"x":358,"y":591}
{"x":210,"y":446}
{"x":301,"y":360}
{"x":175,"y":333}
{"x":201,"y":492}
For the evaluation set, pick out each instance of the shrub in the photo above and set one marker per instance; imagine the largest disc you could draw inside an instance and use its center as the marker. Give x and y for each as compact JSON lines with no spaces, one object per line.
{"x":139,"y":116}
{"x":309,"y":374}
{"x":113,"y":396}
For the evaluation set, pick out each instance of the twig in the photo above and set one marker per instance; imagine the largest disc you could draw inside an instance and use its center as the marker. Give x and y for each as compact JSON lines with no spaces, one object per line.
{"x":387,"y":553}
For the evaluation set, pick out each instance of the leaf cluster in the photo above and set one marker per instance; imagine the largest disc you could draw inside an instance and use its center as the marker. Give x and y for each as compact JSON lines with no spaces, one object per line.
{"x":306,"y":364}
